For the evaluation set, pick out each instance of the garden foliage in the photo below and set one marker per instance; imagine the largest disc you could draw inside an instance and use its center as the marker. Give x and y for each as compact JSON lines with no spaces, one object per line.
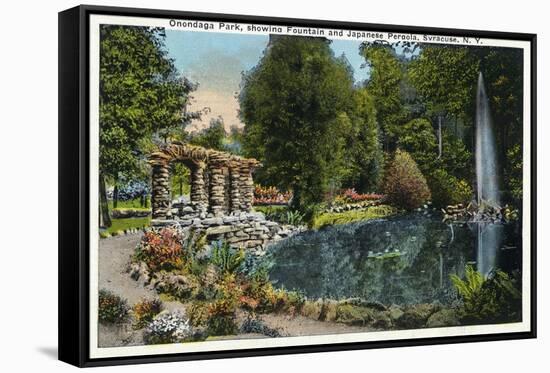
{"x":405,"y":186}
{"x":112,"y":309}
{"x":495,"y":299}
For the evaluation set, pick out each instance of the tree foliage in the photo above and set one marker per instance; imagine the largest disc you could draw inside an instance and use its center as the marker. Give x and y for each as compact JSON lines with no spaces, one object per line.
{"x":140,"y":94}
{"x":384,"y":84}
{"x":446,"y":175}
{"x":445,"y":77}
{"x":293,"y":104}
{"x":363,"y":152}
{"x":212,"y":136}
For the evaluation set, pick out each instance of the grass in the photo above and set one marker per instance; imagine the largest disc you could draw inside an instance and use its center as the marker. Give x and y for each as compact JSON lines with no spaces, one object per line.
{"x":128,"y":223}
{"x":133,"y":204}
{"x":334,"y":218}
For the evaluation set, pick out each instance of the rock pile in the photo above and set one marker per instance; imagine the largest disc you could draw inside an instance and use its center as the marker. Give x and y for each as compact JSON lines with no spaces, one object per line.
{"x":473,"y":213}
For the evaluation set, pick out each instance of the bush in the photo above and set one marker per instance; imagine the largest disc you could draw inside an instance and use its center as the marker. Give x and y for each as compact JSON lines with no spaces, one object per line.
{"x":167,"y":328}
{"x":221,"y":318}
{"x":222,"y":311}
{"x":253,"y":325}
{"x":144,"y":312}
{"x":405,"y":186}
{"x":112,"y":308}
{"x":131,"y":190}
{"x":198,"y":313}
{"x":281,"y":214}
{"x":227,"y":260}
{"x":260,"y":296}
{"x":448,"y":190}
{"x":496,"y":299}
{"x":161,"y":249}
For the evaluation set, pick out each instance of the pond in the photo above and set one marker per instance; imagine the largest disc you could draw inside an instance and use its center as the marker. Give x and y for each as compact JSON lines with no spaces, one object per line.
{"x":406,"y":259}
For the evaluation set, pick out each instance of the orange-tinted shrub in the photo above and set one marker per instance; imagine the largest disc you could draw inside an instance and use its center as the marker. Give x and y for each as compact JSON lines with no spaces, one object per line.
{"x":404,"y":185}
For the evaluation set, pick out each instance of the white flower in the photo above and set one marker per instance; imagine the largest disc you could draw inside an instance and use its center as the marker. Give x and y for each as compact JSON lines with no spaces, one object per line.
{"x":168,"y":328}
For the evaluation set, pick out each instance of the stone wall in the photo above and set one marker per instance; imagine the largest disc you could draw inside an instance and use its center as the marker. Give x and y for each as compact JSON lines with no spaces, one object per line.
{"x":249,"y":230}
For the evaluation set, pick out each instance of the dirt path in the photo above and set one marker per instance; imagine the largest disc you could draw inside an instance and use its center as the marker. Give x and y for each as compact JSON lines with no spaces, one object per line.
{"x":294,"y":326}
{"x":114,"y":257}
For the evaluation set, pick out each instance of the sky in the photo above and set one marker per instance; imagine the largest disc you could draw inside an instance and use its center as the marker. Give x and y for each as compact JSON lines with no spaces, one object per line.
{"x":217,"y":60}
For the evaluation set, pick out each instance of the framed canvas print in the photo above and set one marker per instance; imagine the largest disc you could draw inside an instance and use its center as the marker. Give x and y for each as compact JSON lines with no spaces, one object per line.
{"x":233,"y":186}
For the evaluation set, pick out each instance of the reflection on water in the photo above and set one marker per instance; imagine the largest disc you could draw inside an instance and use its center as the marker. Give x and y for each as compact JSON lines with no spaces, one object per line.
{"x":407,"y":259}
{"x":489,"y":238}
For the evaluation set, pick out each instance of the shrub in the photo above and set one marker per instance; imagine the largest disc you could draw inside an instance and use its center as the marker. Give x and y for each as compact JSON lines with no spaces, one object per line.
{"x":167,"y":328}
{"x":262,"y":297}
{"x":179,"y":285}
{"x":405,"y":186}
{"x":131,"y":190}
{"x":227,"y":260}
{"x":222,"y":311}
{"x":161,"y":249}
{"x":112,"y":308}
{"x":496,"y":299}
{"x":198,"y":313}
{"x":293,"y":218}
{"x":254,"y":325}
{"x":447,"y":189}
{"x":144,"y":312}
{"x":282,"y":215}
{"x":221,"y":318}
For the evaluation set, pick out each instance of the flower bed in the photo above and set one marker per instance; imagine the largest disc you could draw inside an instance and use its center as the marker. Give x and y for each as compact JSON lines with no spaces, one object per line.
{"x":350,"y":195}
{"x":214,"y":283}
{"x":270,"y":196}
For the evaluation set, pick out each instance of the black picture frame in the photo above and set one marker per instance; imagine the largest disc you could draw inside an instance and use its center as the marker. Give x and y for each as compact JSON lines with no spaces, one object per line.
{"x":74,"y":183}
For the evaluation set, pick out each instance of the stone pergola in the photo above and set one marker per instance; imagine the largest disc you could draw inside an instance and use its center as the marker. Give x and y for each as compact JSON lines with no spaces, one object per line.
{"x":221,"y":183}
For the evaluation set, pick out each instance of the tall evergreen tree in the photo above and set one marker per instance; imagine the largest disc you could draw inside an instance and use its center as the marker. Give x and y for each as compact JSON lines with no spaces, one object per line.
{"x":293,"y":104}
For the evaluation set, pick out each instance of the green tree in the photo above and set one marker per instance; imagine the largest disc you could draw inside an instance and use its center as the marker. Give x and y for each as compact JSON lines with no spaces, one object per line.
{"x":364,"y":155}
{"x":514,"y":174}
{"x":293,"y":104}
{"x":503,"y":74}
{"x":211,"y":137}
{"x":384,"y":84}
{"x":419,"y":140}
{"x":140,"y":95}
{"x":446,"y":175}
{"x":445,"y":78}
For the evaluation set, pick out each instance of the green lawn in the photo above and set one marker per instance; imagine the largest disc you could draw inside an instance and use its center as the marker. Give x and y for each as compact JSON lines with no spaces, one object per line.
{"x":372,"y":212}
{"x":123,"y":224}
{"x":133,"y":204}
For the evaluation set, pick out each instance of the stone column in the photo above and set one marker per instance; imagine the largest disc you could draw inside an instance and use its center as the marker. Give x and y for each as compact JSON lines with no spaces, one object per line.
{"x":198,"y":187}
{"x":246,"y":187}
{"x":235,"y":188}
{"x":217,"y":189}
{"x":160,"y":195}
